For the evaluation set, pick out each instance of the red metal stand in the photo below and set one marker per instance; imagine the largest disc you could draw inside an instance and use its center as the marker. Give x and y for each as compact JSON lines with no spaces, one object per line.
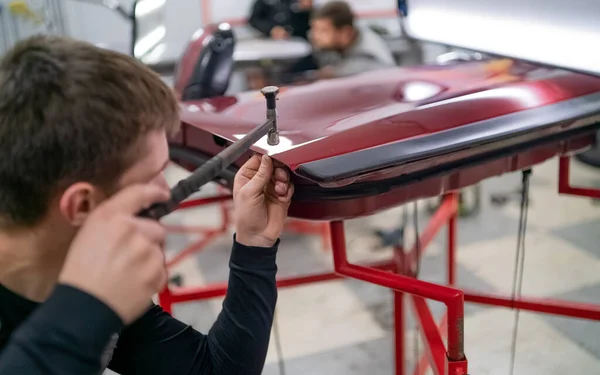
{"x":209,"y":234}
{"x":443,"y":341}
{"x":444,"y":361}
{"x":564,"y":183}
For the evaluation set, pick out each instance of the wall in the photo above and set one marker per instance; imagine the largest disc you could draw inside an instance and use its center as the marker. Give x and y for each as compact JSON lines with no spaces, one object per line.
{"x":98,"y":24}
{"x":226,"y":9}
{"x":47,"y":18}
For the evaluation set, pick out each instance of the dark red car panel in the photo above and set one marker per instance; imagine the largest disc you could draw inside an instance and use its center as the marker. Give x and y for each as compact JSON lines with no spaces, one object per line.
{"x":365,"y":143}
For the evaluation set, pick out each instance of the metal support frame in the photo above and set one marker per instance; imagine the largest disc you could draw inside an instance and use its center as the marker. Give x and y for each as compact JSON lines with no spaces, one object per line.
{"x":443,"y":341}
{"x":209,"y":234}
{"x":564,"y":183}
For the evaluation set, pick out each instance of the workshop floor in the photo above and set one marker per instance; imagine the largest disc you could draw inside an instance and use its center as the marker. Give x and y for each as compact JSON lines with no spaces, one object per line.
{"x":345,"y":327}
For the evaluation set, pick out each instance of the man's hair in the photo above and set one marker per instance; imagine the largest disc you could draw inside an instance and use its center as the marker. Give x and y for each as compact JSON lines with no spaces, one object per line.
{"x":71,"y":111}
{"x":338,"y":12}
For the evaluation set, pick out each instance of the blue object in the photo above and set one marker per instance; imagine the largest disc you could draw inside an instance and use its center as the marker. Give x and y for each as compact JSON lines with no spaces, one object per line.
{"x":402,"y":7}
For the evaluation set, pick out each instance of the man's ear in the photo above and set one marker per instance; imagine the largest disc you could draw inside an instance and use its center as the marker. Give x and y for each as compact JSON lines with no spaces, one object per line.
{"x":78,"y":200}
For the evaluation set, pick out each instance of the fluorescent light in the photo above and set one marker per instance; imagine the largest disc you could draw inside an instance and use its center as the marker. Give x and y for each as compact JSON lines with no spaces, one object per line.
{"x":145,"y":44}
{"x":535,"y":40}
{"x":155,"y":54}
{"x":197,"y":34}
{"x":146,"y":7}
{"x":416,"y":91}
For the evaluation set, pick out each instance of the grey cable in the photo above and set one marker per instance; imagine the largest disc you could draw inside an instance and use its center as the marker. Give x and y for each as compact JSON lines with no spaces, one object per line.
{"x":278,"y":347}
{"x":416,"y":273}
{"x":519,"y":262}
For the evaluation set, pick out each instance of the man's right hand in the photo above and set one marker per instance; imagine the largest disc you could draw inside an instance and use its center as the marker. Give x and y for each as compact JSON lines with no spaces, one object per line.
{"x":118,"y":257}
{"x":279,"y":33}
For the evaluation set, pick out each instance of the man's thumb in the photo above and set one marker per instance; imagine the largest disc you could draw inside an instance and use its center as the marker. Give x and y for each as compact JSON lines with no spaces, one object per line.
{"x":262,"y":176}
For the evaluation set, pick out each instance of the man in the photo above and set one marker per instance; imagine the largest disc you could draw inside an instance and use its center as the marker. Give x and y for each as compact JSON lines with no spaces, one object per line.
{"x":83,"y":144}
{"x":342,"y":48}
{"x":281,"y":19}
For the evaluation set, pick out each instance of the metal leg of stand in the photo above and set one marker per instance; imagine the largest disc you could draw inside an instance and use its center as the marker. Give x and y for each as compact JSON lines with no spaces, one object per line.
{"x":399,"y":332}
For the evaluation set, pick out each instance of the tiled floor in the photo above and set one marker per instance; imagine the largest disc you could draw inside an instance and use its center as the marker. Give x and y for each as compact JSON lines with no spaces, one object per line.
{"x":345,"y":327}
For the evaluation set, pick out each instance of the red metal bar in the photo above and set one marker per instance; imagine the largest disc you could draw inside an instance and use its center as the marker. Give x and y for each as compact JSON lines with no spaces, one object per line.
{"x":204,"y":201}
{"x":452,"y":223}
{"x":545,"y":306}
{"x":195,"y":247}
{"x":165,"y":300}
{"x":445,"y":212}
{"x":564,"y":183}
{"x":190,"y":294}
{"x":423,"y":362}
{"x":310,"y":227}
{"x":399,"y":333}
{"x":452,"y":298}
{"x":208,"y":234}
{"x":434,"y":349}
{"x":456,"y":367}
{"x":452,"y":362}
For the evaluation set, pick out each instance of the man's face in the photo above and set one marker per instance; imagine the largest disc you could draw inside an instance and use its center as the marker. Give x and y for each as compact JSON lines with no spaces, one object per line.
{"x":326,"y":37}
{"x":154,"y":158}
{"x":79,"y":199}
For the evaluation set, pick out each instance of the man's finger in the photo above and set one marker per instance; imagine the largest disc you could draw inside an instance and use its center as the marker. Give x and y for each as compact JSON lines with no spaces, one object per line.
{"x":287,"y":198}
{"x":262,"y":177}
{"x":250,"y":167}
{"x":281,"y":175}
{"x":135,"y":198}
{"x":152,"y":230}
{"x":280,"y":188}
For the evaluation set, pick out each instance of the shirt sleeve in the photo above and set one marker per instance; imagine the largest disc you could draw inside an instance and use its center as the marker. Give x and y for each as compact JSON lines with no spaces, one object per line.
{"x":260,"y":18}
{"x":358,"y":64}
{"x":67,"y":335}
{"x":237,"y":343}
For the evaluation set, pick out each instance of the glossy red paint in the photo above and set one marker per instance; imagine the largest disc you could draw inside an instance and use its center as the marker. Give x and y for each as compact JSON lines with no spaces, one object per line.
{"x":340,"y":116}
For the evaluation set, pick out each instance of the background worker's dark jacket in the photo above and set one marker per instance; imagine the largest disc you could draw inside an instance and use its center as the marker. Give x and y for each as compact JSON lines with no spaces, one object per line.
{"x":266,"y":14}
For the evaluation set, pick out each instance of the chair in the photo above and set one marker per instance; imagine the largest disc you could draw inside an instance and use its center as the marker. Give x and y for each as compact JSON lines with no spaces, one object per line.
{"x":212,"y":70}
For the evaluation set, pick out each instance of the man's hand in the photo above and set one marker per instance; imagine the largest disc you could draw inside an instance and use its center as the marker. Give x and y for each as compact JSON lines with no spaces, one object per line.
{"x":262,"y":195}
{"x":118,"y":257}
{"x":305,"y":4}
{"x":279,"y":33}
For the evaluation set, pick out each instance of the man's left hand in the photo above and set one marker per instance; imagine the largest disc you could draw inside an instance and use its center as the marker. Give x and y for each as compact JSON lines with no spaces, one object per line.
{"x":262,"y":194}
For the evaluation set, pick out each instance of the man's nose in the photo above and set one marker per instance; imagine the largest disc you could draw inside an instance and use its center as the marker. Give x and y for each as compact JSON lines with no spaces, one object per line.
{"x":161,"y":181}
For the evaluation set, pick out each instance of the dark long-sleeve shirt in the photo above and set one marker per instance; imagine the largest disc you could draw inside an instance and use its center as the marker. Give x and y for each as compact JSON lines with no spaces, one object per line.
{"x":266,"y":14}
{"x":73,"y":333}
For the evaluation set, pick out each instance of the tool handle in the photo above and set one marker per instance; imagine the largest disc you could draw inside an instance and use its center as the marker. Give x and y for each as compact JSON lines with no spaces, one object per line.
{"x":186,"y":187}
{"x":206,"y":173}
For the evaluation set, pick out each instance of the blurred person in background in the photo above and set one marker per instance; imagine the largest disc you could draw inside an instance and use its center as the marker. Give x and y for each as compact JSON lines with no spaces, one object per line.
{"x":281,"y":19}
{"x":341,"y":48}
